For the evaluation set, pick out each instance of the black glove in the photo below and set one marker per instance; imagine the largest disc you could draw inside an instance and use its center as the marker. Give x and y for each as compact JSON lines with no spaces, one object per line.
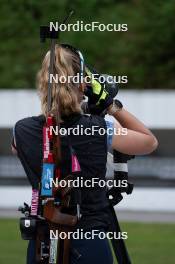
{"x":100,"y":95}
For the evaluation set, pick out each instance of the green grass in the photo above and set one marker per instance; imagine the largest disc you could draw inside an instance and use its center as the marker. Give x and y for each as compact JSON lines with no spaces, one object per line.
{"x":147,"y":243}
{"x":151,"y":243}
{"x":12,"y":247}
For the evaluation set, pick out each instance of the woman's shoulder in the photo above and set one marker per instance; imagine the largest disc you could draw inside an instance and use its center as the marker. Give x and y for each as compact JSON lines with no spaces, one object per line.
{"x":94,"y":120}
{"x":27,"y":122}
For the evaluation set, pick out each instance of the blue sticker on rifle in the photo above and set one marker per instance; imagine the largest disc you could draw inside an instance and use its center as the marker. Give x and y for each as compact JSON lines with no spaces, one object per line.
{"x":47,"y":177}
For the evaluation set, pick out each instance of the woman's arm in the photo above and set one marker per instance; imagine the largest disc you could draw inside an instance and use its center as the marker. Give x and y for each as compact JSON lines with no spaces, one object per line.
{"x":138,"y":140}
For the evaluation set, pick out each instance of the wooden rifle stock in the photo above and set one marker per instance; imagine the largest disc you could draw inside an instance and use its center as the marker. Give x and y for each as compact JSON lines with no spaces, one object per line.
{"x":53,"y":214}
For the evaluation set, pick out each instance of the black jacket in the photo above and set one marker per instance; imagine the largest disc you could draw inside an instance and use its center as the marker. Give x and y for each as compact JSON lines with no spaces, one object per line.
{"x":91,"y":152}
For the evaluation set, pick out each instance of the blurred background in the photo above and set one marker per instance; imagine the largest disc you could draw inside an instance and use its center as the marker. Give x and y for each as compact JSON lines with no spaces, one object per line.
{"x":145,"y":53}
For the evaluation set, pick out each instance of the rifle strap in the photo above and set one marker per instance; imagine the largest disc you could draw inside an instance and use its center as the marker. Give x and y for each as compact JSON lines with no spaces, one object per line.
{"x":63,"y":245}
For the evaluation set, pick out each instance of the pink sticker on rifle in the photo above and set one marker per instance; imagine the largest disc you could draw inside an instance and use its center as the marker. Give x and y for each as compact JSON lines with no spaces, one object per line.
{"x":75,"y":164}
{"x":34,"y":204}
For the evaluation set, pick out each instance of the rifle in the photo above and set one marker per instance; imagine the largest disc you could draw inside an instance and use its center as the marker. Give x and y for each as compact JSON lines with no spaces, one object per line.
{"x":46,"y":211}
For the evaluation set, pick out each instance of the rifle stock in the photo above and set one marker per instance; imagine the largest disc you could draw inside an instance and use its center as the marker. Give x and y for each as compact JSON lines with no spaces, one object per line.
{"x":53,"y":214}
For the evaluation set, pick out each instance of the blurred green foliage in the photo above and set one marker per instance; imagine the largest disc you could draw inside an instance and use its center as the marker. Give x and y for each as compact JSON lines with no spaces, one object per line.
{"x":145,"y":53}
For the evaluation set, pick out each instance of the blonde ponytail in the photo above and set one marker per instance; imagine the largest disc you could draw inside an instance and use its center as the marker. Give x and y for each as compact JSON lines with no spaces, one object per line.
{"x":68,"y":93}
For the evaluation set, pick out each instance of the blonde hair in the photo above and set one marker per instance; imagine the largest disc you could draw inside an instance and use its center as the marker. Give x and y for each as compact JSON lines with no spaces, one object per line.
{"x":68,"y":94}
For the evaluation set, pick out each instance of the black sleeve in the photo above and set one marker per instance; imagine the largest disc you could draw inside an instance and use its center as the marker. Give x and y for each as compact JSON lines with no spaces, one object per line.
{"x":29,"y":148}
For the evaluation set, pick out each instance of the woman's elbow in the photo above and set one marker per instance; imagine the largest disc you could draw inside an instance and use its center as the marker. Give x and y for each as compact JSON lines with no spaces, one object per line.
{"x":152,"y":144}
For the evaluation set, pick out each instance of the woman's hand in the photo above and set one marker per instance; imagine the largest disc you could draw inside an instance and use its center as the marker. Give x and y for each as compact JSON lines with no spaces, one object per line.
{"x":100,"y":95}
